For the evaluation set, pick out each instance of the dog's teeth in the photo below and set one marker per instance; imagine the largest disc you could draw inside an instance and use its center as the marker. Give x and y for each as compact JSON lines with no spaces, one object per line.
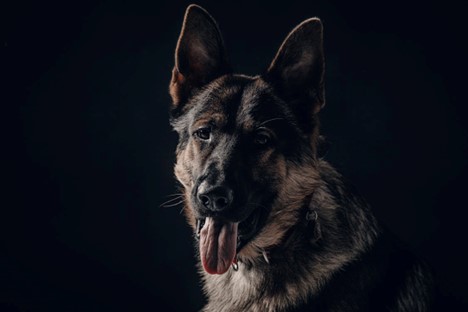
{"x":198,"y":228}
{"x":265,"y":256}
{"x":235,"y":266}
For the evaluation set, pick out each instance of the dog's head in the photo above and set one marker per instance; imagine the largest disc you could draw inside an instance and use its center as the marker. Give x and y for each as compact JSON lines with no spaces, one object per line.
{"x":244,"y":140}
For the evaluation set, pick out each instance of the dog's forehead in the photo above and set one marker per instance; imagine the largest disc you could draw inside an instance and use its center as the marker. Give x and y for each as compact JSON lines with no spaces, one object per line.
{"x":239,"y":100}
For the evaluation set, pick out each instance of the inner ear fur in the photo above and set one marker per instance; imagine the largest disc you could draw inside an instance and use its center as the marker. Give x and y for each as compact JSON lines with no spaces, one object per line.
{"x":297,"y":71}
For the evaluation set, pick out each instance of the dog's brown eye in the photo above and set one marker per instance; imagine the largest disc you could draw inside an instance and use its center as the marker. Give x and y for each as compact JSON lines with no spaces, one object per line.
{"x":203,"y":133}
{"x":262,"y":138}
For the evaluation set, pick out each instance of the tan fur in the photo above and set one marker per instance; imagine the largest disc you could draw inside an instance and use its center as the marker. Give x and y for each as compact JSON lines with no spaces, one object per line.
{"x":245,"y":283}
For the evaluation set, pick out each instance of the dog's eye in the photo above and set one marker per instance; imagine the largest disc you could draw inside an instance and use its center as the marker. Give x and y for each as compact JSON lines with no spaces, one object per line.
{"x":262,"y":138}
{"x":203,"y":133}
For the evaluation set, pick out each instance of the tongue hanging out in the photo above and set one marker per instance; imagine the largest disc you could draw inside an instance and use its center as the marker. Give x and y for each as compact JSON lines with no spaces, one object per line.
{"x":218,"y":241}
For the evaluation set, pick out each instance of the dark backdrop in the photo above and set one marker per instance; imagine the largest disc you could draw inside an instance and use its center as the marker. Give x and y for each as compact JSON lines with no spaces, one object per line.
{"x":89,"y":152}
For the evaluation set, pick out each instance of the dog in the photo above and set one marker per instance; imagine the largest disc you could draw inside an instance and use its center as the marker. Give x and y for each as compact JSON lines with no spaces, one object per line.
{"x":277,"y":227}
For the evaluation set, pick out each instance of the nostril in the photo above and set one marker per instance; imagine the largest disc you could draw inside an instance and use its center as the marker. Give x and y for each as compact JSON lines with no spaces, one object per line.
{"x":216,"y":199}
{"x":205,"y":200}
{"x":221,"y":202}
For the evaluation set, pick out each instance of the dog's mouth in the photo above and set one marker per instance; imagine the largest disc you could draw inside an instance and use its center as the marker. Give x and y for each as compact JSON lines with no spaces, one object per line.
{"x":221,"y":240}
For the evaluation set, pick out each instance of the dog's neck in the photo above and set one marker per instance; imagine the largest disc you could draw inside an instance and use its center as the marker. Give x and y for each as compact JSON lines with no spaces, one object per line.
{"x":318,"y":245}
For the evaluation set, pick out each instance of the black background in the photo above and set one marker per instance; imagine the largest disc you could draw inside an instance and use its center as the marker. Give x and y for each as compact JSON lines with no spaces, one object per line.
{"x":89,"y":152}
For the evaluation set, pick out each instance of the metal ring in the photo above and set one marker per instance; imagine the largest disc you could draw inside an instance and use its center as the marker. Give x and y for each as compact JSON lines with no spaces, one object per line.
{"x":309,"y":216}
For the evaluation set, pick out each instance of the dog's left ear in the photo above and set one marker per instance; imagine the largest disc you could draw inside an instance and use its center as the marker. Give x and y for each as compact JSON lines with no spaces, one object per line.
{"x":297,"y":71}
{"x":200,"y":56}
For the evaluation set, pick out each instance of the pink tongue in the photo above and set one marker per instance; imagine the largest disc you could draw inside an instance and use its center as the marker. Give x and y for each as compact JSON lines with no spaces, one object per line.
{"x":218,"y":241}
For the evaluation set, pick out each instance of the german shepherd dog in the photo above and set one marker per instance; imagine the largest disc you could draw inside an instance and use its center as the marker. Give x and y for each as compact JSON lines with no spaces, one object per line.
{"x":277,"y":228}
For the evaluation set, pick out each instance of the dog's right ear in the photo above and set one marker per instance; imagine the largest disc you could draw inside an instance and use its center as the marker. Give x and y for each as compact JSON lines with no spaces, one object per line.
{"x":200,"y":56}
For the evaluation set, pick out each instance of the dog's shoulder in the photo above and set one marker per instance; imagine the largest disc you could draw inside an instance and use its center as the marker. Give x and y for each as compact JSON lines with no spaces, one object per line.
{"x":387,"y":277}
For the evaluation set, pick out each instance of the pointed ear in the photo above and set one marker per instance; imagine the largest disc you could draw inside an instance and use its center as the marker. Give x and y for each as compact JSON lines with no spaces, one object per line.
{"x":200,"y":55}
{"x":298,"y":68}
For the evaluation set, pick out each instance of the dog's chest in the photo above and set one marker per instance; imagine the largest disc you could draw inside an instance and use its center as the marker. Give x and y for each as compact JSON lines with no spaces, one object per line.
{"x":234,"y":291}
{"x":246,"y":290}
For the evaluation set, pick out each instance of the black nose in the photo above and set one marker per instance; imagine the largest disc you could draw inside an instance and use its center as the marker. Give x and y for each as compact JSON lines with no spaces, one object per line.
{"x":216,"y":199}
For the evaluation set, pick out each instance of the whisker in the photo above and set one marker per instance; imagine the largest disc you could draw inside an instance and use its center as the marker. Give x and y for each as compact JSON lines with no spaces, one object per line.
{"x":176,"y":194}
{"x":171,"y":201}
{"x":278,"y":212}
{"x":172,"y":205}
